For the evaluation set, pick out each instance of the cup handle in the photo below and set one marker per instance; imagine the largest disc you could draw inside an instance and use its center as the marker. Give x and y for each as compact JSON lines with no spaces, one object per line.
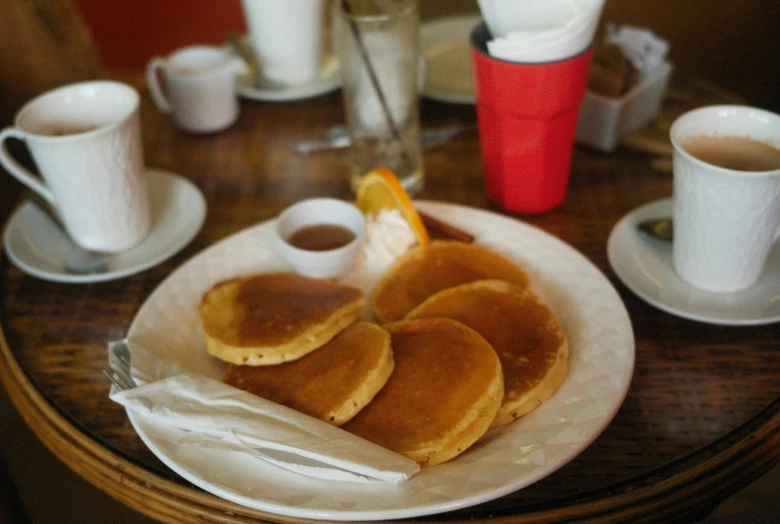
{"x":17,"y":170}
{"x":153,"y":81}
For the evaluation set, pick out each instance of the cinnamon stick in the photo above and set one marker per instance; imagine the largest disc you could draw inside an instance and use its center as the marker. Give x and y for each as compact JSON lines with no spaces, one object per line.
{"x":438,"y":229}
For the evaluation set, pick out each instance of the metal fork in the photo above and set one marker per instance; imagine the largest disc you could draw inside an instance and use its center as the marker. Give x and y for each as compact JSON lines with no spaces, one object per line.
{"x":120,"y":365}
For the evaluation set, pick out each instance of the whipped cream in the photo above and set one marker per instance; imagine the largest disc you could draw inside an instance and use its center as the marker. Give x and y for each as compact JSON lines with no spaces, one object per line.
{"x":388,"y":236}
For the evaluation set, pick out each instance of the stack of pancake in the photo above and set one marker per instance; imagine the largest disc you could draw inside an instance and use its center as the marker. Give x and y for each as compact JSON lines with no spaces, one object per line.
{"x":462,"y":344}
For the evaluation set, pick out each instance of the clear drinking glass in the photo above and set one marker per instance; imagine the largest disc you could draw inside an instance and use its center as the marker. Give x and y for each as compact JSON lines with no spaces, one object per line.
{"x":376,"y":42}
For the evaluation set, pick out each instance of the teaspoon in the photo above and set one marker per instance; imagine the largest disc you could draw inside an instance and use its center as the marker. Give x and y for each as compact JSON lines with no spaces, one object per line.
{"x":661,"y":229}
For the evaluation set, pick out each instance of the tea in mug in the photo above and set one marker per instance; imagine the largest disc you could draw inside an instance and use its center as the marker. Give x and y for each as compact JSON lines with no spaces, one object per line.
{"x":739,"y":153}
{"x":65,"y":129}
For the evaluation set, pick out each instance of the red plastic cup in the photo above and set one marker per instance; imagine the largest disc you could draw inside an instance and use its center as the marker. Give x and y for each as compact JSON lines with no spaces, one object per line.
{"x":527,"y":117}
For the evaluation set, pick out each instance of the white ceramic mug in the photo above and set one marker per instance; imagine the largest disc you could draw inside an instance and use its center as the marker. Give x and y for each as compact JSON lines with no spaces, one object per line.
{"x":725,"y":220}
{"x":85,"y":139}
{"x":201,"y":88}
{"x":287,"y":38}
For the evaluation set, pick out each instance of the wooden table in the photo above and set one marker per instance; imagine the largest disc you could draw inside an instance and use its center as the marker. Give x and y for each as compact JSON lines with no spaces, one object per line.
{"x":700,"y":421}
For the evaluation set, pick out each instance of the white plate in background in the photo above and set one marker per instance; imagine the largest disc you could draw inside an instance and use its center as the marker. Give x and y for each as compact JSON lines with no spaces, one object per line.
{"x":444,"y":43}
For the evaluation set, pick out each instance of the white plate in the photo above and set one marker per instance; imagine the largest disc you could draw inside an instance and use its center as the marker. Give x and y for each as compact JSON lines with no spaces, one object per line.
{"x":35,"y":245}
{"x":506,"y":459}
{"x":645,"y":267}
{"x":266,"y":91}
{"x":445,"y":46}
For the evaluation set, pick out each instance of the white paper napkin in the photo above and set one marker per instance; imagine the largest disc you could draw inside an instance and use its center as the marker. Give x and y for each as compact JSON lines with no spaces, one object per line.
{"x":530,"y":31}
{"x":646,"y":50}
{"x":216,"y":415}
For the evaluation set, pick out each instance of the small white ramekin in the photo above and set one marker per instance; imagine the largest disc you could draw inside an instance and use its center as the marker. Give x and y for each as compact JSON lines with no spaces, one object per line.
{"x":332,"y":263}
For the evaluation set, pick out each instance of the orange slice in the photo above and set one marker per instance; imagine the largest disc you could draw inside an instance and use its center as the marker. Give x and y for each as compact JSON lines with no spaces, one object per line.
{"x":381,"y":189}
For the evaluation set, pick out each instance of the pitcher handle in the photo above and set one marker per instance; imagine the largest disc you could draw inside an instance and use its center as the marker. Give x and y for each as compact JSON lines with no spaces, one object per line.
{"x":153,"y":81}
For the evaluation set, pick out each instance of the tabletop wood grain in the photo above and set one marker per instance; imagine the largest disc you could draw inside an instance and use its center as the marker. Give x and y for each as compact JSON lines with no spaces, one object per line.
{"x":700,"y":420}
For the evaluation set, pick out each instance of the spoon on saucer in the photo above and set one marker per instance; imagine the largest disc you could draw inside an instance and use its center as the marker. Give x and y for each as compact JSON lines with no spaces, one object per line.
{"x":661,"y":229}
{"x":77,"y":260}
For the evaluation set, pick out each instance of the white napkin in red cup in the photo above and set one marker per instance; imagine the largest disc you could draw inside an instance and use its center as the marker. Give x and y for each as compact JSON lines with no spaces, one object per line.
{"x":530,"y":31}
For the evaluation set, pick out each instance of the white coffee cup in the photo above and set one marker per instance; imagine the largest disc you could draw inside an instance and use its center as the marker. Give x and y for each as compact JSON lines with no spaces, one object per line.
{"x":287,"y":38}
{"x":725,"y":219}
{"x":85,"y":139}
{"x":201,"y":88}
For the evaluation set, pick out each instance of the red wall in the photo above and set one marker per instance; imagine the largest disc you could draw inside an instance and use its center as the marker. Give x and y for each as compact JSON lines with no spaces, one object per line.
{"x":130,"y":32}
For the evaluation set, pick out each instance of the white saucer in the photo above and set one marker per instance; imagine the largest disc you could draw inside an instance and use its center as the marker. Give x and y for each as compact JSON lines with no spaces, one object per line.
{"x":445,"y":46}
{"x":329,"y":80}
{"x":645,"y":267}
{"x":35,"y":245}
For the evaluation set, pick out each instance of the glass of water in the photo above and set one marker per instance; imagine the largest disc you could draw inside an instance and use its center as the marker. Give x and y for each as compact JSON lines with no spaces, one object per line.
{"x":377,"y":45}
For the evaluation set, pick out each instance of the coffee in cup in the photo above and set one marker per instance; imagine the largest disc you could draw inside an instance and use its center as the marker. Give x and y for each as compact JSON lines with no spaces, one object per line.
{"x":65,"y":129}
{"x":739,"y":153}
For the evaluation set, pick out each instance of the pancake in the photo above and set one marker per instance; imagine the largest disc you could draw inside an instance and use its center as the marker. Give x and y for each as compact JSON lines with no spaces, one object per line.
{"x":425,"y":270}
{"x":332,"y":383}
{"x":523,"y":331}
{"x":271,"y":318}
{"x":442,"y":396}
